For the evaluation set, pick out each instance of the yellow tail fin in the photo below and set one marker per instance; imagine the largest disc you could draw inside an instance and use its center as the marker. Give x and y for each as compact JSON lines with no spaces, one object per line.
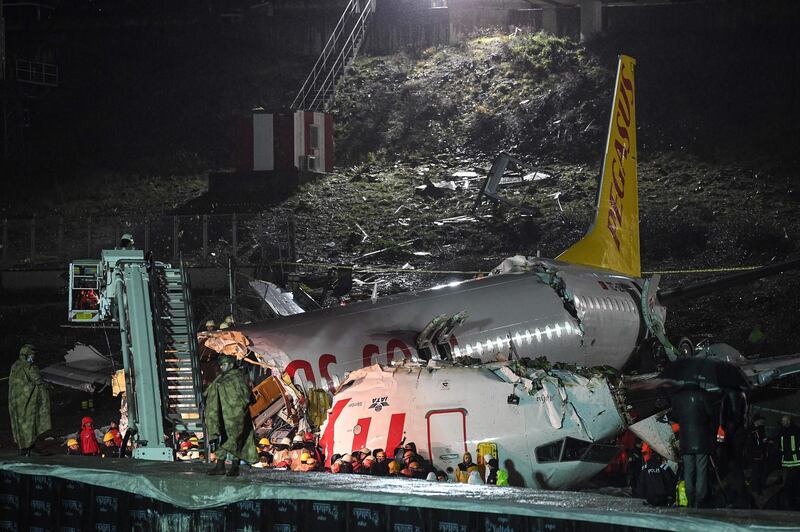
{"x":612,"y":241}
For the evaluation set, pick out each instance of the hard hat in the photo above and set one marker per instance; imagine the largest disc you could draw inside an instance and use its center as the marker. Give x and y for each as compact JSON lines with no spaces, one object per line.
{"x":297,"y":439}
{"x":365,"y":451}
{"x":27,"y":350}
{"x":228,"y":319}
{"x":224,"y":325}
{"x":487,"y":457}
{"x":194,"y":441}
{"x":127,"y":236}
{"x":304,"y":457}
{"x":108,"y":437}
{"x":211,"y":323}
{"x":185,"y":445}
{"x":263,"y":441}
{"x":286,"y":441}
{"x":71,"y":442}
{"x":85,"y":420}
{"x":347,"y":458}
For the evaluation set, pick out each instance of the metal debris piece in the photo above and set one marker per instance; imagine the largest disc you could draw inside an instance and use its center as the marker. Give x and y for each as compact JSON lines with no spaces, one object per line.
{"x":280,"y":302}
{"x":493,"y":181}
{"x":456,"y":220}
{"x":465,"y":173}
{"x":366,"y":236}
{"x":401,"y":245}
{"x":84,"y":369}
{"x":555,"y":196}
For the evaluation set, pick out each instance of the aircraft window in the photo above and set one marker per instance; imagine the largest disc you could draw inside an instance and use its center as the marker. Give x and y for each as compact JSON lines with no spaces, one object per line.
{"x":574,"y":449}
{"x":550,"y":452}
{"x":600,"y":453}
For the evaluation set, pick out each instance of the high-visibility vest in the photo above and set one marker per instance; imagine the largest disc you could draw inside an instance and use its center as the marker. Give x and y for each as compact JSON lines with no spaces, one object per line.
{"x":680,"y":494}
{"x":790,"y":456}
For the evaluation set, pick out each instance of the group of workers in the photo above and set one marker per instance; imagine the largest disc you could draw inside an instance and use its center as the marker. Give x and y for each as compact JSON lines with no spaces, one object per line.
{"x":87,"y":444}
{"x":227,"y":323}
{"x":722,"y":452}
{"x":302,"y":453}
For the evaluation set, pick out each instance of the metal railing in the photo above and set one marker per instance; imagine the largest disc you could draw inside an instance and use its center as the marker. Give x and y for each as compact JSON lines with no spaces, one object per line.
{"x":335,"y":57}
{"x":202,"y":239}
{"x":36,"y":72}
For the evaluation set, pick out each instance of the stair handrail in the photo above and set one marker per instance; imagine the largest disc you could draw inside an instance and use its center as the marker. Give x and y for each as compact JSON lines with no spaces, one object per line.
{"x":330,"y":45}
{"x":358,"y":28}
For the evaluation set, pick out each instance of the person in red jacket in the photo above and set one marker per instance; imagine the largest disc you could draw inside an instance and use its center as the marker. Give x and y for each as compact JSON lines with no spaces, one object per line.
{"x":89,"y":444}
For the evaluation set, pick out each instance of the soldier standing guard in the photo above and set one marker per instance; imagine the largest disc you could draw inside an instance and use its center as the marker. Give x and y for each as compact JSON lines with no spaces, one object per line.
{"x":28,"y":401}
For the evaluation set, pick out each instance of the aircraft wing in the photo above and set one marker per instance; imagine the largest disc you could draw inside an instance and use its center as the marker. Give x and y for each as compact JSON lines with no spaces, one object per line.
{"x":764,"y":371}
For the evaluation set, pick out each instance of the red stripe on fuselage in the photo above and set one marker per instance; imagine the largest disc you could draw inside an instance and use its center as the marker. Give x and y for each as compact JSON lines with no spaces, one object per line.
{"x":326,"y":442}
{"x":360,"y":439}
{"x":396,"y":426}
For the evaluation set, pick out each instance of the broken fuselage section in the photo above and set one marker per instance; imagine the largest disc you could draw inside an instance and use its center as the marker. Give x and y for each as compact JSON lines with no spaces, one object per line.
{"x":547,"y":427}
{"x":568,"y":313}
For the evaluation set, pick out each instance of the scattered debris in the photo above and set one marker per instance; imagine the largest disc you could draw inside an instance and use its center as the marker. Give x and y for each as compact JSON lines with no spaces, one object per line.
{"x":401,"y":245}
{"x":366,"y":236}
{"x":466,"y":173}
{"x":435,"y":190}
{"x":555,"y":196}
{"x":456,"y":220}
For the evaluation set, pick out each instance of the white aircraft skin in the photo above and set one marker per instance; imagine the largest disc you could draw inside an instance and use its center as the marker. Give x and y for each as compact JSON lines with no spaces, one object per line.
{"x":448,"y":411}
{"x":320,"y":346}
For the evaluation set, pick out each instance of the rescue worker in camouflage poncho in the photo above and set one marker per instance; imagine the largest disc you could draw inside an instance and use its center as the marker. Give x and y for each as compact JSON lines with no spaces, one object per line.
{"x":28,"y":401}
{"x":228,"y":417}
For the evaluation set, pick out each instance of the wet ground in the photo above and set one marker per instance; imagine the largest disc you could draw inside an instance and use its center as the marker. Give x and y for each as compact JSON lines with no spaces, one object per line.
{"x":187,"y":486}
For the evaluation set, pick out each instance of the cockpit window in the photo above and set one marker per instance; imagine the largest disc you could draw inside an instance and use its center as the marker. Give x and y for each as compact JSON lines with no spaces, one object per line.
{"x":550,"y":452}
{"x":574,"y":449}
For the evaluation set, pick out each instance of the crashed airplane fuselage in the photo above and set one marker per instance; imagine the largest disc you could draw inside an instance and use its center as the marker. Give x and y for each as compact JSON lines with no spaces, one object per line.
{"x":544,"y":437}
{"x":569,"y":313}
{"x":584,"y":308}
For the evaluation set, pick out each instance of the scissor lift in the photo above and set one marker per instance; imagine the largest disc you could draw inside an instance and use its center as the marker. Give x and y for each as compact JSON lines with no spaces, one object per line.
{"x":150,"y":302}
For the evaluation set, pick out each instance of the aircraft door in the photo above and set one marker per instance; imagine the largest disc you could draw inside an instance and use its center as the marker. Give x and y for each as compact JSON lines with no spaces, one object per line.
{"x":447,"y":437}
